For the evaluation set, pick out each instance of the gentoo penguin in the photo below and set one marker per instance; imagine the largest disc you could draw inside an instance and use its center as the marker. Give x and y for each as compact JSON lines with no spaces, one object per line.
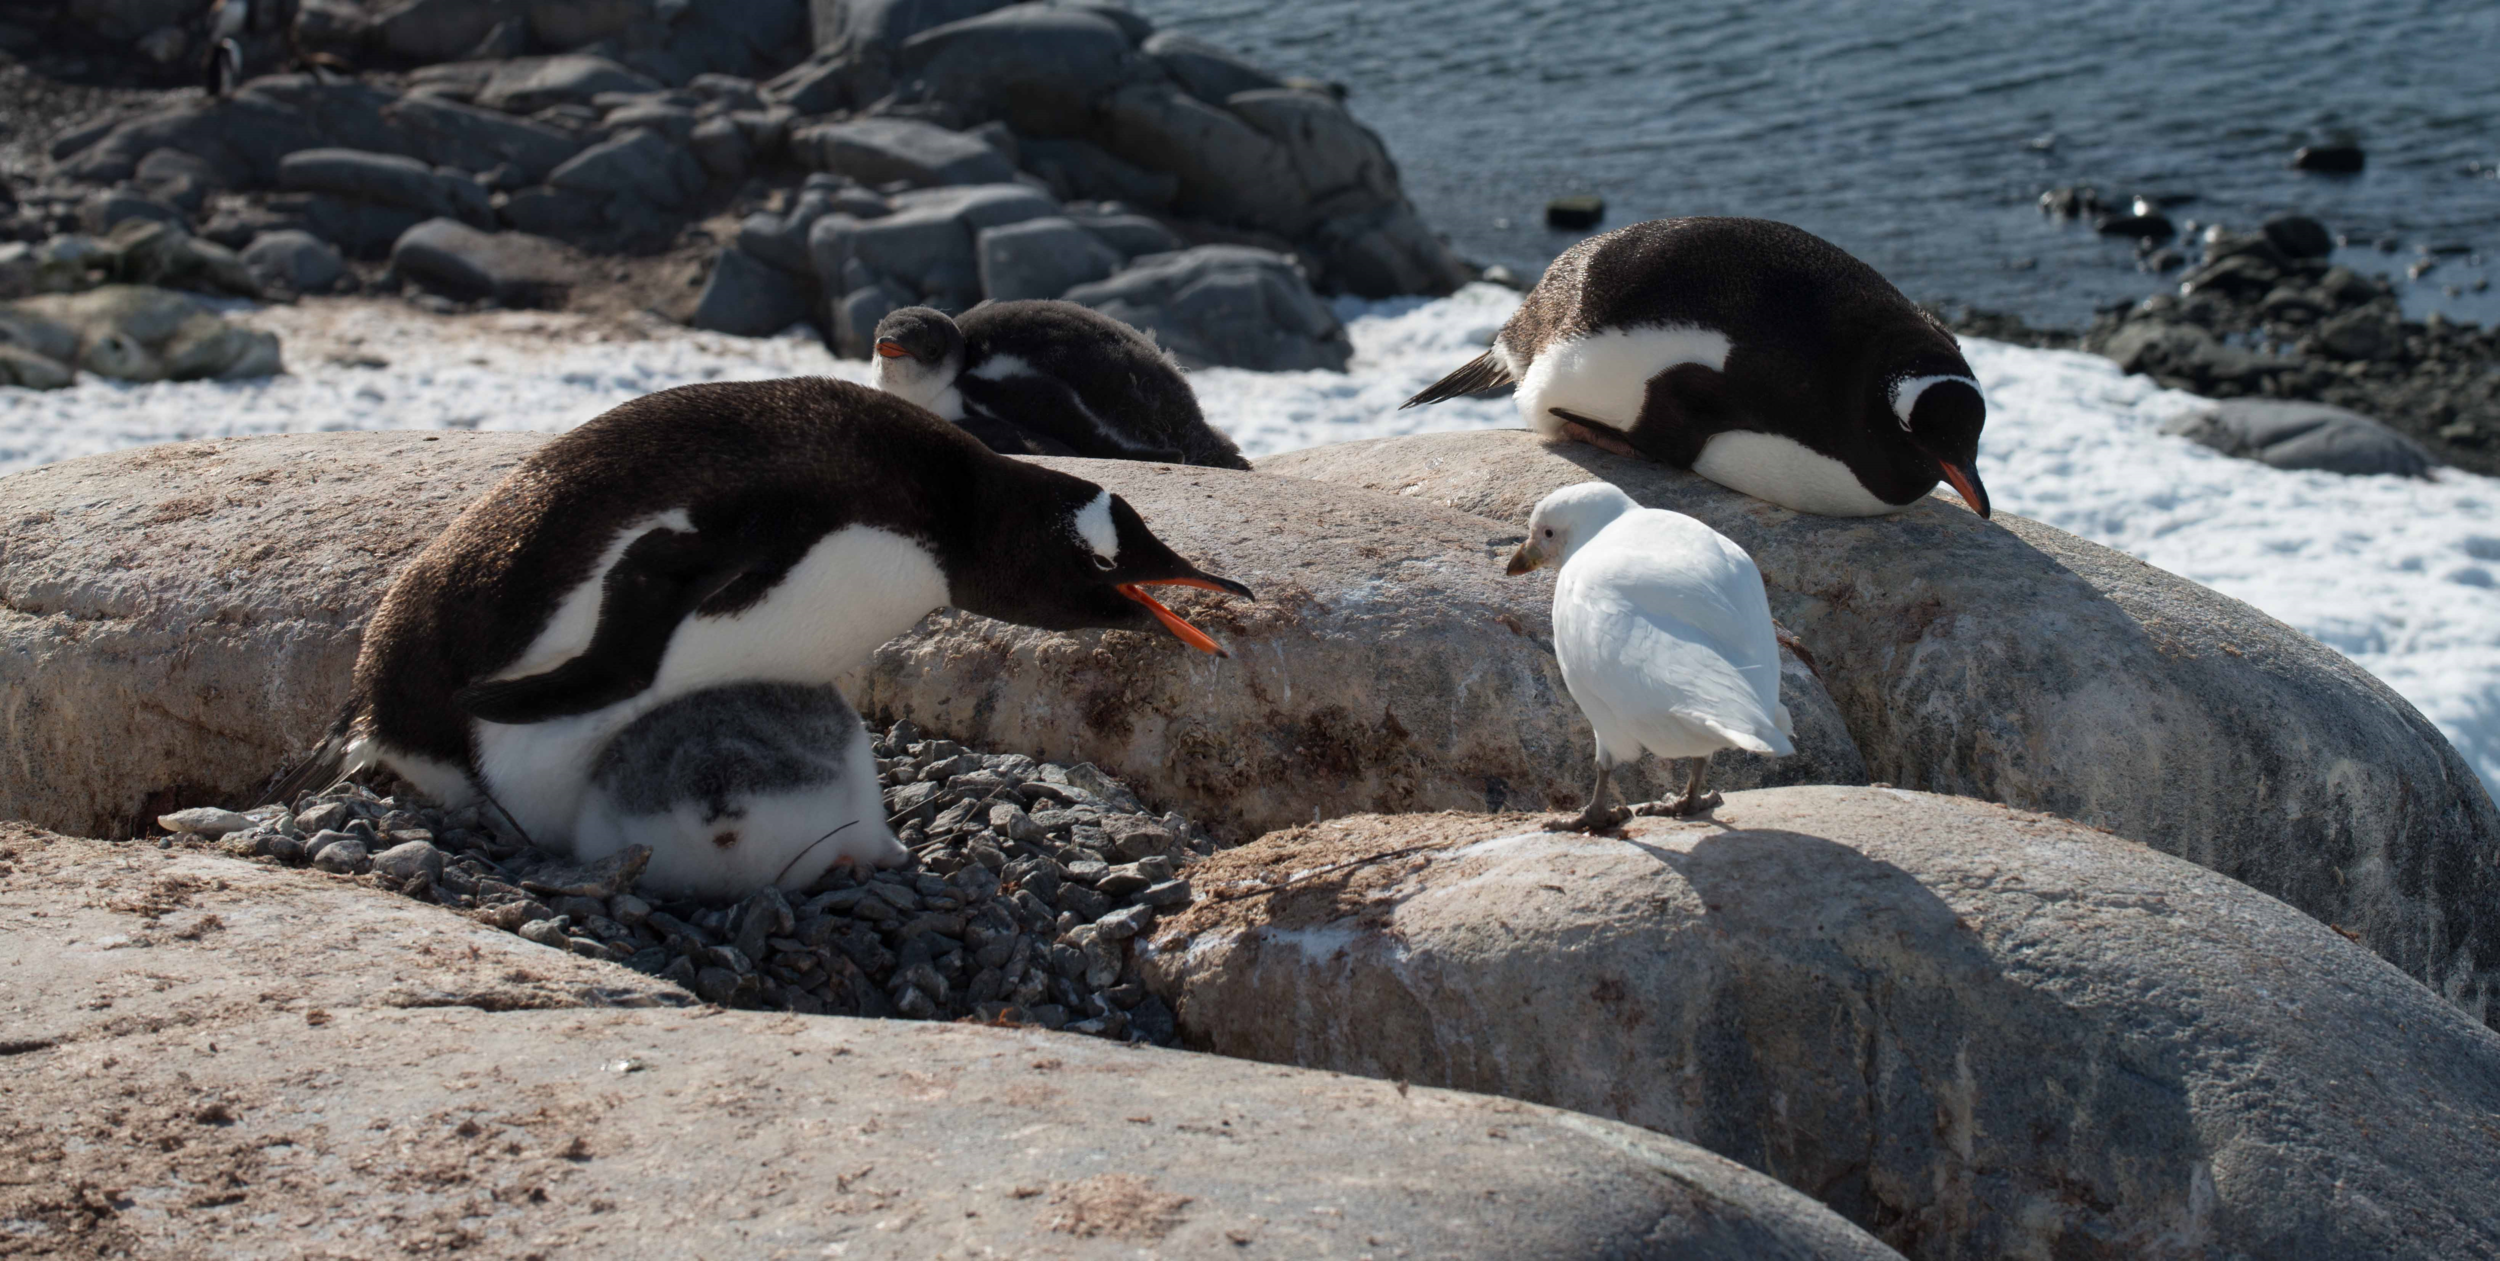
{"x":1664,"y":636}
{"x":227,"y":22}
{"x":768,"y":531}
{"x":1048,"y":378}
{"x":738,"y":787}
{"x":1753,"y":353}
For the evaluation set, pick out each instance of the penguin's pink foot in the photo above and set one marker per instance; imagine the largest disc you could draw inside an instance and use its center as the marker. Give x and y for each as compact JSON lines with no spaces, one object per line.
{"x":1598,"y":438}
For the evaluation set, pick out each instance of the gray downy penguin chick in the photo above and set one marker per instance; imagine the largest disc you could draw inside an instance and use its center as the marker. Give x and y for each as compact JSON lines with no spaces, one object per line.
{"x":760,"y":531}
{"x":738,"y":787}
{"x":1045,"y":377}
{"x":1751,"y":352}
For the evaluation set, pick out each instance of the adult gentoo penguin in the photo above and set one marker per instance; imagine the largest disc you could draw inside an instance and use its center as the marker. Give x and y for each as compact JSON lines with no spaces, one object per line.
{"x":737,"y":787}
{"x":770,"y":531}
{"x":1753,"y":353}
{"x":1664,"y":636}
{"x":1049,"y":378}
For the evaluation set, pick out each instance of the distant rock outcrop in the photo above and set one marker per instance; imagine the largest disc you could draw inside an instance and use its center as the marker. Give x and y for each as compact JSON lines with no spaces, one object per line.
{"x":614,"y":125}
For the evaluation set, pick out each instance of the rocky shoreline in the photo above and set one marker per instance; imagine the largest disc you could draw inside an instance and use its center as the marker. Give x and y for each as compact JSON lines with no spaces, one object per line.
{"x":478,"y":154}
{"x":2263,"y":314}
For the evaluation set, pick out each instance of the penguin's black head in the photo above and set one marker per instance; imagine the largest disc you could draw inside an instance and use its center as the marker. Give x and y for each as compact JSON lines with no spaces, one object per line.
{"x":1065,"y":554}
{"x":919,"y":351}
{"x":1940,"y":417}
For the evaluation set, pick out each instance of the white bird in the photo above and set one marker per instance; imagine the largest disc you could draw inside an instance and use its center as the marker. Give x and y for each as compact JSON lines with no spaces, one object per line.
{"x":1665,"y":638}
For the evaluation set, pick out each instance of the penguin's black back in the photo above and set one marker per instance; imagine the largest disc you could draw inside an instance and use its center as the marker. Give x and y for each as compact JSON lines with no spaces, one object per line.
{"x":1771,"y":287}
{"x":762,"y":468}
{"x":1126,"y":384}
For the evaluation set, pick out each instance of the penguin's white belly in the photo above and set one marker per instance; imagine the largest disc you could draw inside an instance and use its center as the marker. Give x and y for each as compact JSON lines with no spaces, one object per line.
{"x":855,"y":589}
{"x":1605,"y":375}
{"x":1788,"y":473}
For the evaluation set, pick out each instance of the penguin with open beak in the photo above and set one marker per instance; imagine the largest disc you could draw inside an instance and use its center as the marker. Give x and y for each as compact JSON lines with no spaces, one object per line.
{"x":770,"y":531}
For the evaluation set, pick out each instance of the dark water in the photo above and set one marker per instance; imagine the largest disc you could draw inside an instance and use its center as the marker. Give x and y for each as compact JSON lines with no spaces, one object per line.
{"x":1903,"y":131}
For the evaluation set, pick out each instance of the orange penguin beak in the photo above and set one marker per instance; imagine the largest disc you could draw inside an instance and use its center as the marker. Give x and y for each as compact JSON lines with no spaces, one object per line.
{"x":892,"y":350}
{"x":1965,"y":480}
{"x":1172,"y":621}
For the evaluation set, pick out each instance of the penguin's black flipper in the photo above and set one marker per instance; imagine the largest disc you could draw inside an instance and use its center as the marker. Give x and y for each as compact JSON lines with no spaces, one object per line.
{"x":1052,"y":420}
{"x":1009,"y":438}
{"x":658,"y":581}
{"x":1484,"y":372}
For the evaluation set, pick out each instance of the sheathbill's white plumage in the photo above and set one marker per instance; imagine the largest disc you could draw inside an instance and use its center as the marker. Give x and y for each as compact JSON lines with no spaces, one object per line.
{"x":1664,"y":635}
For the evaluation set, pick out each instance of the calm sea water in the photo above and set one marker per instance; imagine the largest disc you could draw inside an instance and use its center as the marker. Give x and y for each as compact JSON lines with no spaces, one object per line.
{"x":1918,"y":134}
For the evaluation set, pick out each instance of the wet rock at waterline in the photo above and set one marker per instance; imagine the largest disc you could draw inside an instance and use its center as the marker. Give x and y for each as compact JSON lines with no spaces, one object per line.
{"x":2013,"y":662}
{"x":218,"y":643}
{"x":256,"y":1012}
{"x":1972,"y":1030}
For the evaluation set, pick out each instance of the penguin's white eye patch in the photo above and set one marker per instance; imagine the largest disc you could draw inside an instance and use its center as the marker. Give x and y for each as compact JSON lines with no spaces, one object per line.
{"x":1096,"y":530}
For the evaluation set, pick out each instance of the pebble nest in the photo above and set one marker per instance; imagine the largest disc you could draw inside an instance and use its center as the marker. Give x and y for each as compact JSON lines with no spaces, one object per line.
{"x":1027,"y":882}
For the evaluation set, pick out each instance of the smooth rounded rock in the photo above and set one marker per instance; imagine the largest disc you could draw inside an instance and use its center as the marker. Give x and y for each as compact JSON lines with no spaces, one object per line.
{"x":2291,"y":435}
{"x":2009,"y":661}
{"x":182,"y":619}
{"x":1387,"y":665}
{"x":272,"y":1013}
{"x":1225,"y":306}
{"x":1972,"y":1030}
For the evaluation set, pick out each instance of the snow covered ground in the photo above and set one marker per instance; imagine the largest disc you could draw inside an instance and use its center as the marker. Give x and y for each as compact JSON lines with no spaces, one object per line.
{"x":2399,"y":575}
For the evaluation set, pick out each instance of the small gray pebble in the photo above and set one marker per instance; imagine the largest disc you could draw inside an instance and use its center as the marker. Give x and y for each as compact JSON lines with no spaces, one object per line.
{"x":1165,"y":896}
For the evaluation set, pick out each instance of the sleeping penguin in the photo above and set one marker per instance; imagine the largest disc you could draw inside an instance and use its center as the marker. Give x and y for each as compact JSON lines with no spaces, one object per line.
{"x":759,"y":531}
{"x":1049,"y":378}
{"x":1753,"y":353}
{"x":738,"y":787}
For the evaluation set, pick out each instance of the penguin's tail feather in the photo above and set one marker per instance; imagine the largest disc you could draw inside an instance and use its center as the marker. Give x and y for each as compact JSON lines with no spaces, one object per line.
{"x":1484,"y":372}
{"x":327,"y":761}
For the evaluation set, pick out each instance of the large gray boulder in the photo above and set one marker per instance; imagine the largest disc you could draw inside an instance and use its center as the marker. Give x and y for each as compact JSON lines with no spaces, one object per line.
{"x":513,"y":268}
{"x":881,"y":150}
{"x":2290,"y":435}
{"x":1227,"y":171}
{"x":244,"y":136}
{"x":638,"y":162}
{"x":1365,"y":677}
{"x":2012,"y":662}
{"x":879,"y":27}
{"x":294,"y":261}
{"x":1040,"y":258}
{"x":1081,"y":171}
{"x":177,"y":629}
{"x":140,"y":333}
{"x":749,"y":297}
{"x":525,"y":85}
{"x":1205,"y":71}
{"x":1975,"y":1031}
{"x":467,"y":138}
{"x":225,"y":1023}
{"x":927,"y":243}
{"x":185,"y":619}
{"x":1040,"y":67}
{"x":1225,"y":305}
{"x":388,"y":179}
